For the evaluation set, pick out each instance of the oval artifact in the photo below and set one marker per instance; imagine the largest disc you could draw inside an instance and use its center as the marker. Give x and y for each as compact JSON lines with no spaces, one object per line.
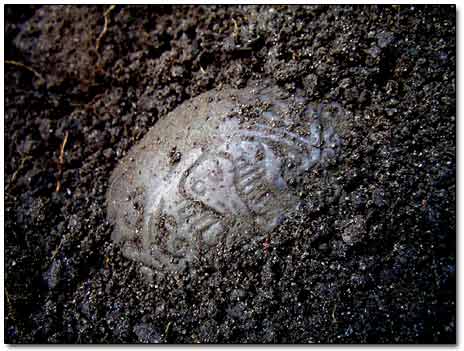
{"x":218,"y":164}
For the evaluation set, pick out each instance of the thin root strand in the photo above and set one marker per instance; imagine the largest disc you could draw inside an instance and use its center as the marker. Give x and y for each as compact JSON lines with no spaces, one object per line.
{"x":105,"y":26}
{"x":40,"y":78}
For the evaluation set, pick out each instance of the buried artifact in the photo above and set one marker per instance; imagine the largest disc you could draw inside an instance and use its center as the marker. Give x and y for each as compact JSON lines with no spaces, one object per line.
{"x":220,"y":163}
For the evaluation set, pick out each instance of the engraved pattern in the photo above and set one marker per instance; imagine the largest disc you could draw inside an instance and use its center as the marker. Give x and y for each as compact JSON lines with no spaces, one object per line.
{"x":243,"y":180}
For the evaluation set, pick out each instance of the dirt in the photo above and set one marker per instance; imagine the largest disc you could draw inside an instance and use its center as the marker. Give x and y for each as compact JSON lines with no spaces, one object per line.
{"x":369,"y":258}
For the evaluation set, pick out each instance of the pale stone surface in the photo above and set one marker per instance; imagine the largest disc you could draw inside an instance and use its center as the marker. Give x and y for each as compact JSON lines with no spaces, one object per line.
{"x":219,"y":163}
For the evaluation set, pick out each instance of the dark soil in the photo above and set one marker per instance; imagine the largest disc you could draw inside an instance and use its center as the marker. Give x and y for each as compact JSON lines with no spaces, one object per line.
{"x":371,"y":257}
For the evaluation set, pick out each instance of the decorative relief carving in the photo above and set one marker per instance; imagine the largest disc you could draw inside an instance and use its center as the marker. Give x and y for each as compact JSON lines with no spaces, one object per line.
{"x":240,"y":178}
